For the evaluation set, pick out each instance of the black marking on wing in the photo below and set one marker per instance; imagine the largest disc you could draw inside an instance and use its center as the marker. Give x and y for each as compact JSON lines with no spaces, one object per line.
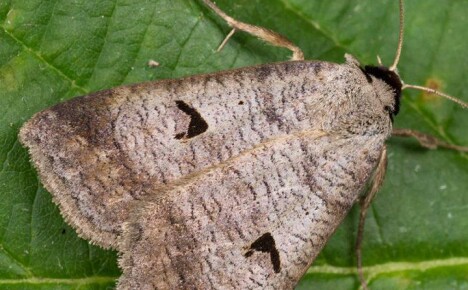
{"x":266,"y":244}
{"x":197,"y":124}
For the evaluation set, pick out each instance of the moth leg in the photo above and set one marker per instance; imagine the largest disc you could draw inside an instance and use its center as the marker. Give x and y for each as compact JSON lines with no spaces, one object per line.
{"x":427,"y":141}
{"x":364,"y":203}
{"x":264,"y":34}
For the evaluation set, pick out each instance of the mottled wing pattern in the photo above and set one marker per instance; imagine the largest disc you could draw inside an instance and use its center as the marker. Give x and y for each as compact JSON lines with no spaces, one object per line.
{"x":97,"y":153}
{"x":256,"y":221}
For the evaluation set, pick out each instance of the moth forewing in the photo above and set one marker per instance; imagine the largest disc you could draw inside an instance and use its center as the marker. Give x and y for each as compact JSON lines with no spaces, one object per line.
{"x":94,"y":152}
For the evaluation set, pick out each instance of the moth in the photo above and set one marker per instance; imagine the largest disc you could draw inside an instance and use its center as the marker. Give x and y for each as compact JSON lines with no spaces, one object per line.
{"x":228,"y":180}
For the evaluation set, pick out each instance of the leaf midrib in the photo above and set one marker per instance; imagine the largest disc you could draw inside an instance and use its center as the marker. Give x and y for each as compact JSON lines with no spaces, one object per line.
{"x":391,"y":267}
{"x":370,"y":272}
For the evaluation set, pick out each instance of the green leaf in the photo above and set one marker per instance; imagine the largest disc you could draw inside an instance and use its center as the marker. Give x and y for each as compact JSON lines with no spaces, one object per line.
{"x":50,"y":51}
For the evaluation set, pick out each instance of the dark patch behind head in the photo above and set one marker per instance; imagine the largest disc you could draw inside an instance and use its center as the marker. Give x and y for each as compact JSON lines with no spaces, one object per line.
{"x":391,"y":79}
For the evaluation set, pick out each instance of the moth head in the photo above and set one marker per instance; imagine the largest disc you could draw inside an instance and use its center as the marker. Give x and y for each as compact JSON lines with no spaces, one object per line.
{"x":392,"y":79}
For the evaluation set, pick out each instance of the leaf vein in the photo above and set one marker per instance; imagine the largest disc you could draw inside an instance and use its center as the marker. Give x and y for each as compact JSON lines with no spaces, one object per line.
{"x":46,"y":62}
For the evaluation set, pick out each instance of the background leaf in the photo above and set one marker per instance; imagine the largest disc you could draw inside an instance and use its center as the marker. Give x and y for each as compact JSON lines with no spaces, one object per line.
{"x":53,"y":50}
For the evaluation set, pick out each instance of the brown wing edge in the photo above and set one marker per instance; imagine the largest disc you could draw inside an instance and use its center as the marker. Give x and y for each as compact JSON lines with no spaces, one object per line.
{"x":53,"y":184}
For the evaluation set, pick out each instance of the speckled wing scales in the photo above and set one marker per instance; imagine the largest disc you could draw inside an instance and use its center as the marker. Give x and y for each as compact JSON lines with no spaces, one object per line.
{"x":256,"y":221}
{"x":99,"y":152}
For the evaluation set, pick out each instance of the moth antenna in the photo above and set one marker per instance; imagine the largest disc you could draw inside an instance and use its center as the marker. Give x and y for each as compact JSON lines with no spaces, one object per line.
{"x":435,"y":92}
{"x":400,"y":37}
{"x":397,"y":59}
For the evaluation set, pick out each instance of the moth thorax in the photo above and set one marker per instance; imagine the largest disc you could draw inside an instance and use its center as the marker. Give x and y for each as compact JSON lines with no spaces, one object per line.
{"x":393,"y":81}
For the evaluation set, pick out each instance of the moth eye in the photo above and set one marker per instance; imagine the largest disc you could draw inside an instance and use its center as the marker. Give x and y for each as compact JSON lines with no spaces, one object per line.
{"x":241,"y":102}
{"x":197,"y":124}
{"x":266,"y":244}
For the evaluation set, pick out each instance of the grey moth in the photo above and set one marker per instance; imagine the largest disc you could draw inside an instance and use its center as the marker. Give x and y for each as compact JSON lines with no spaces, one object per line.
{"x":232,"y":179}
